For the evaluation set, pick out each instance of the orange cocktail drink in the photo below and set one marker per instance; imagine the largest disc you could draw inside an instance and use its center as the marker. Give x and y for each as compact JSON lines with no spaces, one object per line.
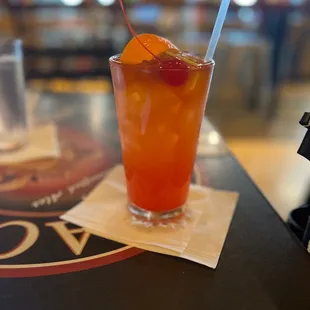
{"x":160,"y":107}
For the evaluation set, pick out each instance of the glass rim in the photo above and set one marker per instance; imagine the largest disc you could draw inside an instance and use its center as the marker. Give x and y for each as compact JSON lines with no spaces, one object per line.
{"x":114,"y":62}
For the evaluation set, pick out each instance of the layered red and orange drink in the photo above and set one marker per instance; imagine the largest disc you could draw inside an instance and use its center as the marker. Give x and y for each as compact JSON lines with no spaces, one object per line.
{"x":160,"y":101}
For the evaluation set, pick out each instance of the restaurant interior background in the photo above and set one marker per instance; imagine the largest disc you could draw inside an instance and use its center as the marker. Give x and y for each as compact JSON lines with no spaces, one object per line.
{"x":260,"y":88}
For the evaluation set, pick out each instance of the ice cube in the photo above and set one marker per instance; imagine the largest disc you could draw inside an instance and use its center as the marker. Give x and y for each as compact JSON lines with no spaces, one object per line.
{"x":133,"y":102}
{"x":136,"y":97}
{"x":136,"y":93}
{"x":164,"y":98}
{"x":192,"y":59}
{"x":145,"y":114}
{"x":130,"y":136}
{"x":191,"y":83}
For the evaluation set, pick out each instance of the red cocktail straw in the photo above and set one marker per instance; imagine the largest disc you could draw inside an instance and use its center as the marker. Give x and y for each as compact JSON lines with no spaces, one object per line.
{"x":132,"y":31}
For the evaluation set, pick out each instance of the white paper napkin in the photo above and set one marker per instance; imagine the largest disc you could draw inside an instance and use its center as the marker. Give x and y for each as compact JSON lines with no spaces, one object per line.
{"x":42,"y":143}
{"x":201,"y":239}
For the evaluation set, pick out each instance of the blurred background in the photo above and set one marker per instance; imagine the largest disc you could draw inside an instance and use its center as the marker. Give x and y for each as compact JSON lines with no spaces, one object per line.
{"x":261,"y":85}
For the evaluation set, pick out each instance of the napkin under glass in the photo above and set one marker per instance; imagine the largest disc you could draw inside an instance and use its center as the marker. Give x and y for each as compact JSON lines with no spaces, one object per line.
{"x":200,"y":238}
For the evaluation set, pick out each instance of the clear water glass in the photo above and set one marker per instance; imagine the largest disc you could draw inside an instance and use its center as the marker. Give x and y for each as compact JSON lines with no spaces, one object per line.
{"x":13,"y":119}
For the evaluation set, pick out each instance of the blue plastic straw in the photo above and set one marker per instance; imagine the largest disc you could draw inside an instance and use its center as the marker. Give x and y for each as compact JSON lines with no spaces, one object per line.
{"x":217,"y":29}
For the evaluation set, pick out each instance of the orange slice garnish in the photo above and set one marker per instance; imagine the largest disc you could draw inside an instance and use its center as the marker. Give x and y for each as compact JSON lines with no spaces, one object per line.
{"x":135,"y":53}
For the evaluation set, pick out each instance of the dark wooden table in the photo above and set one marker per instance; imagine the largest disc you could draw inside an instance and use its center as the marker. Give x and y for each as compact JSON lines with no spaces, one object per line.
{"x":48,"y":264}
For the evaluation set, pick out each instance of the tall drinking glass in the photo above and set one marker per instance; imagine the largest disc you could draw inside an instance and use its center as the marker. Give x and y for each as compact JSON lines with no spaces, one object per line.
{"x":13,"y":124}
{"x":159,"y":126}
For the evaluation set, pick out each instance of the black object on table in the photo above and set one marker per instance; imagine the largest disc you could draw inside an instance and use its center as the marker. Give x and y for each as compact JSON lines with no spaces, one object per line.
{"x":304,"y":149}
{"x":48,"y":264}
{"x":299,"y":219}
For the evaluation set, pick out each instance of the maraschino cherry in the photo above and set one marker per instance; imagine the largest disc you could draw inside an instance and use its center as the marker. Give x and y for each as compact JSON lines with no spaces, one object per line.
{"x":173,"y":71}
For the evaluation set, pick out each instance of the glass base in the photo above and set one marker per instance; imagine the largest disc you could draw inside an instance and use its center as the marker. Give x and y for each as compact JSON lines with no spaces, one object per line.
{"x":6,"y":146}
{"x":155,"y":216}
{"x":13,"y":140}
